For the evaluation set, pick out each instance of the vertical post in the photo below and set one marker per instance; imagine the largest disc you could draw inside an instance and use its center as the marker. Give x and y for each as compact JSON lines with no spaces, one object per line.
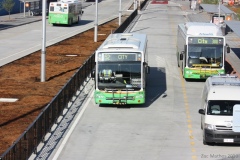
{"x":134,"y":5}
{"x":219,"y":12}
{"x":96,"y":23}
{"x":120,"y":12}
{"x":43,"y":54}
{"x":24,"y":8}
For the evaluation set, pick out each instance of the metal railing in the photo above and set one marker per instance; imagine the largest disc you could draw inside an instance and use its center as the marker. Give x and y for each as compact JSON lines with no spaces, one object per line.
{"x":28,"y":141}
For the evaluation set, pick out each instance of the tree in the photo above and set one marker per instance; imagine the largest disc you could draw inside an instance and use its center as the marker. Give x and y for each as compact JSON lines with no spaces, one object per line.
{"x":8,"y":5}
{"x":210,"y":1}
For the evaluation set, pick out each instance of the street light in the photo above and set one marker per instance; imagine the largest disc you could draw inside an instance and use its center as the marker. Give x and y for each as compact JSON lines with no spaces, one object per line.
{"x":96,"y":22}
{"x":43,"y":54}
{"x":219,"y":12}
{"x":120,"y":13}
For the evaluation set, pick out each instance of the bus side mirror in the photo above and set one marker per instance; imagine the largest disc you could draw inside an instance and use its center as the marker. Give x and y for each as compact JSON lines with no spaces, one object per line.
{"x":181,"y":55}
{"x":201,"y":111}
{"x":228,"y":49}
{"x":148,"y":70}
{"x":93,"y":74}
{"x":147,"y":67}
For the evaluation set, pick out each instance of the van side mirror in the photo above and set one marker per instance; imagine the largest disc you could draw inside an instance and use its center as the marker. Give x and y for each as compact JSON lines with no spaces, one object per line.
{"x":201,"y":111}
{"x":181,"y":55}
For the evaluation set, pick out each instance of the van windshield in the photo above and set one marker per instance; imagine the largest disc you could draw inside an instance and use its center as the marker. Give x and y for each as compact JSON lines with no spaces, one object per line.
{"x":221,"y":108}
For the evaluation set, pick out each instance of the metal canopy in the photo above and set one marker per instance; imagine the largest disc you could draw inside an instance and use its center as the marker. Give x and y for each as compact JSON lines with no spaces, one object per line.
{"x":213,"y":8}
{"x":29,"y":0}
{"x":234,"y":25}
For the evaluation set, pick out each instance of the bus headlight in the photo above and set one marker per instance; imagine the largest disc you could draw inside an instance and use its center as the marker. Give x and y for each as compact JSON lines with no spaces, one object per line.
{"x":99,"y":96}
{"x":210,"y":127}
{"x":139,"y":96}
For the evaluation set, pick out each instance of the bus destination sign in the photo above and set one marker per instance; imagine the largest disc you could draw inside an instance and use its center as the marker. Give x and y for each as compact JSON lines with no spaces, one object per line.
{"x":205,"y":40}
{"x":119,"y":57}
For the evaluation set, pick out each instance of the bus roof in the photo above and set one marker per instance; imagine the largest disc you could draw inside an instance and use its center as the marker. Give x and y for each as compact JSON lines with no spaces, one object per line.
{"x":134,"y":41}
{"x":69,"y":1}
{"x":202,"y":29}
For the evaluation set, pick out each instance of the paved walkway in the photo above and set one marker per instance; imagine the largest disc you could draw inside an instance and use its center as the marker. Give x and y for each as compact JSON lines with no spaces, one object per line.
{"x":15,"y":20}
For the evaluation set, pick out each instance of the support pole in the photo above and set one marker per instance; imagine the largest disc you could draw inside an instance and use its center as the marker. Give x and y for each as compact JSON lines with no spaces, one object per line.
{"x":96,"y":23}
{"x":120,"y":12}
{"x":43,"y":54}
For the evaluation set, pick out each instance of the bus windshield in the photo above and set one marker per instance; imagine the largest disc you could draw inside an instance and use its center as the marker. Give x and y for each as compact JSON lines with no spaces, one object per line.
{"x":221,"y":108}
{"x":58,"y":8}
{"x":113,"y":75}
{"x":205,"y":55}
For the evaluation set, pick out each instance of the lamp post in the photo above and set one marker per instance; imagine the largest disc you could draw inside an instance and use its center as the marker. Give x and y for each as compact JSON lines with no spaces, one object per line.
{"x":219,"y":12}
{"x":96,"y":22}
{"x":120,"y":12}
{"x":43,"y":54}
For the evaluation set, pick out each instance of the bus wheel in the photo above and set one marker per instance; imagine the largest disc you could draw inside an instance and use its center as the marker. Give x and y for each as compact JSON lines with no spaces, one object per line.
{"x":182,"y":70}
{"x":70,"y":22}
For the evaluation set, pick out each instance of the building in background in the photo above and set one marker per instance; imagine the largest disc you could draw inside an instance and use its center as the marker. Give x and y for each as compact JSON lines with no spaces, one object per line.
{"x":29,"y":5}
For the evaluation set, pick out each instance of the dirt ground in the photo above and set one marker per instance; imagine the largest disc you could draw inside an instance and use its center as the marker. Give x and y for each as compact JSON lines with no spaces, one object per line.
{"x":21,"y":79}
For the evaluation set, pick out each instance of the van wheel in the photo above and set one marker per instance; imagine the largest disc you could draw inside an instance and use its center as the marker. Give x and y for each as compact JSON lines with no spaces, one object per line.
{"x":204,"y":142}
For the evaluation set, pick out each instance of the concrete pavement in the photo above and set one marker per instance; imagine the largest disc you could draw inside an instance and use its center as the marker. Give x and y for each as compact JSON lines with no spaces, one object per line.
{"x":15,"y":20}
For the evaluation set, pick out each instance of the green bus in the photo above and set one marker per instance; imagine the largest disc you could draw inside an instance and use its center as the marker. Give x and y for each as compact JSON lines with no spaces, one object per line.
{"x":201,"y":49}
{"x":121,"y":69}
{"x":65,"y":12}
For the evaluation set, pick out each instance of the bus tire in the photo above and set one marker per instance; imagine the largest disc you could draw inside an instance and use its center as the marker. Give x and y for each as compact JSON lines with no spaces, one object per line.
{"x":70,"y":22}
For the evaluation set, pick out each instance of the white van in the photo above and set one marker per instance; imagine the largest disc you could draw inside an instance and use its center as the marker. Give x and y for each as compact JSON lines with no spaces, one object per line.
{"x":220,"y":118}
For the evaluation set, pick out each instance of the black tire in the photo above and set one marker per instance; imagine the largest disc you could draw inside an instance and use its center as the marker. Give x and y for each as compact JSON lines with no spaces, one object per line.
{"x":70,"y":22}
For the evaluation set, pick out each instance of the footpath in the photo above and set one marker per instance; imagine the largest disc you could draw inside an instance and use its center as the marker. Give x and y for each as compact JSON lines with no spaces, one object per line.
{"x":15,"y":20}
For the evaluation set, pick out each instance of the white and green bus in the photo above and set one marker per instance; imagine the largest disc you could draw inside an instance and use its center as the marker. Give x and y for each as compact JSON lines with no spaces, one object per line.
{"x":121,"y":69}
{"x":65,"y":12}
{"x":201,"y":49}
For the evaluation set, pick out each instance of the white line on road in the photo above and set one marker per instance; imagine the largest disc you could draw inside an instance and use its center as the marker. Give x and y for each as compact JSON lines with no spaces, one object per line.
{"x":71,"y":129}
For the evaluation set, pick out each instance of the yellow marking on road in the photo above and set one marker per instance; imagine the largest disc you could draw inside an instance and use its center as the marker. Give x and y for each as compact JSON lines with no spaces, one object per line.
{"x":192,"y":143}
{"x":188,"y":118}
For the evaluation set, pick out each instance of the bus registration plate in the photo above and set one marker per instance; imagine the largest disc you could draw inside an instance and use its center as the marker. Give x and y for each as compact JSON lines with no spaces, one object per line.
{"x":228,"y":140}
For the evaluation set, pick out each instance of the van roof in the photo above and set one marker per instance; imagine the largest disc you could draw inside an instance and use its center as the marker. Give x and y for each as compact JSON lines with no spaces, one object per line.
{"x":224,"y":93}
{"x":223,"y":87}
